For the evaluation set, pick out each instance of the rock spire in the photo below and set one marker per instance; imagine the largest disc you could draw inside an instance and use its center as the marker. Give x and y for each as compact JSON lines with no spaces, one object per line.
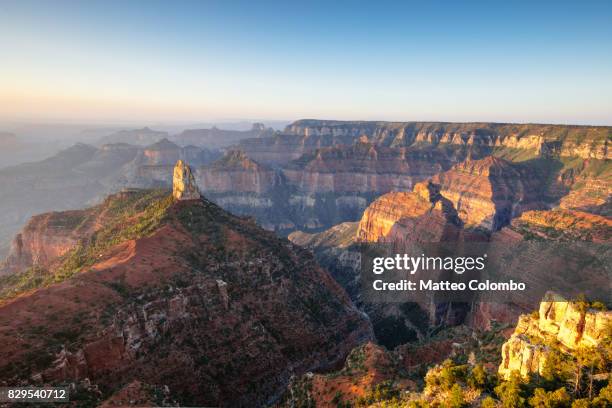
{"x":184,"y":186}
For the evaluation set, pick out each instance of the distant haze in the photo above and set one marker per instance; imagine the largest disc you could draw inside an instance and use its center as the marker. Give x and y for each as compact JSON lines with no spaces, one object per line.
{"x":151,"y":62}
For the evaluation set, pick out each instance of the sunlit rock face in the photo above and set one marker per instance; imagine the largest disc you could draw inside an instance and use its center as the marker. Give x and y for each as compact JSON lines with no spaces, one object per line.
{"x":236,"y":173}
{"x":184,"y":186}
{"x":363,"y":167}
{"x":558,"y":321}
{"x":487,"y":193}
{"x":45,"y":238}
{"x":588,"y":142}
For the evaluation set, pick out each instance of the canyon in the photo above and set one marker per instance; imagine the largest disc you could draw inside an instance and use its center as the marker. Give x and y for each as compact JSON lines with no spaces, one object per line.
{"x":156,"y":280}
{"x":316,"y":174}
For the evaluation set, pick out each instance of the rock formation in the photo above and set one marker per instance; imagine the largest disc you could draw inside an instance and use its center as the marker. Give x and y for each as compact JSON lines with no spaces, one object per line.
{"x":236,"y":173}
{"x":161,"y":153}
{"x":571,"y":325}
{"x":487,"y":193}
{"x":45,"y":238}
{"x":564,"y":225}
{"x":423,"y":215}
{"x":184,"y":186}
{"x":566,"y":141}
{"x":181,"y":296}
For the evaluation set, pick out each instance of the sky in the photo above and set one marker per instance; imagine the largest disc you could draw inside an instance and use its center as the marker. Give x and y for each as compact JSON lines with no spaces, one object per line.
{"x":502,"y":61}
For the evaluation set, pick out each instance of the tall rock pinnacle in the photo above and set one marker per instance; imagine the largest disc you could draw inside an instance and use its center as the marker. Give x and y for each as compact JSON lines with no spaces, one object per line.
{"x":183,"y":183}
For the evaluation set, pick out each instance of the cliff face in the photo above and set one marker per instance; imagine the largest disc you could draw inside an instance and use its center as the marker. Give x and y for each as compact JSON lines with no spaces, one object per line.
{"x":488,"y":193}
{"x":558,"y":321}
{"x":184,"y":295}
{"x":484,"y":193}
{"x":163,"y":152}
{"x":45,"y":238}
{"x":415,"y":217}
{"x":588,"y":186}
{"x":282,"y":148}
{"x":236,"y":173}
{"x":566,"y":141}
{"x":363,"y":167}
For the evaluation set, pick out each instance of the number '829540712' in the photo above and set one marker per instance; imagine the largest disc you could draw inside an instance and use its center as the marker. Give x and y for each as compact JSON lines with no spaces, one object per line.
{"x":34,"y":394}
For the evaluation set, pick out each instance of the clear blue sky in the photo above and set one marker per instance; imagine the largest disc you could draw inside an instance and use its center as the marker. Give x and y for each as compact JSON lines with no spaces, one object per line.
{"x":492,"y":60}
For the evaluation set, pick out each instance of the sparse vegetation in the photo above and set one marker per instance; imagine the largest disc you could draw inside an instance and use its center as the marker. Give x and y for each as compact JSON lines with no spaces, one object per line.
{"x":131,"y":217}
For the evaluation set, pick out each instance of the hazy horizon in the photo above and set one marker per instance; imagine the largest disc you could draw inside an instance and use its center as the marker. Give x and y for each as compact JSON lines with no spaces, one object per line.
{"x":130,"y":62}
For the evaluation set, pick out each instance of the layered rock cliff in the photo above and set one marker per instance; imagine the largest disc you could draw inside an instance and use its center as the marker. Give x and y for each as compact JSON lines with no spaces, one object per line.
{"x":419,"y":216}
{"x":363,"y":168}
{"x":563,"y":140}
{"x":484,"y":193}
{"x":45,"y":238}
{"x":236,"y":173}
{"x":559,"y":323}
{"x":488,"y":193}
{"x":182,"y":296}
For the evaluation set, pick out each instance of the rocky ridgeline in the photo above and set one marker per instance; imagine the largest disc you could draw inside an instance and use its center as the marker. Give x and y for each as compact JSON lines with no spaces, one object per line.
{"x":177,"y":294}
{"x":578,"y":141}
{"x":559,"y":323}
{"x":564,"y":225}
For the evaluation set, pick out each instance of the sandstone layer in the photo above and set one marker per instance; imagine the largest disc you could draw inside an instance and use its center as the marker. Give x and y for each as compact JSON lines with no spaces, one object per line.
{"x":571,"y":325}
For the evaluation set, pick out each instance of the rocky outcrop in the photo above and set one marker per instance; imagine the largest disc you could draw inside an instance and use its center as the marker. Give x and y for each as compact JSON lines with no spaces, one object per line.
{"x":564,"y":225}
{"x":206,"y":306}
{"x":338,"y":236}
{"x":184,"y":186}
{"x":45,"y":238}
{"x":570,"y":325}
